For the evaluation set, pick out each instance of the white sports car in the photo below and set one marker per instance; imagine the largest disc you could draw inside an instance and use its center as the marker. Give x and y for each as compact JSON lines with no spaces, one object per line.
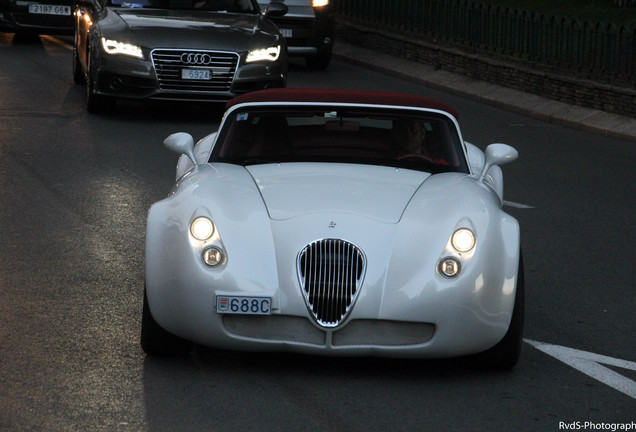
{"x":335,"y":222}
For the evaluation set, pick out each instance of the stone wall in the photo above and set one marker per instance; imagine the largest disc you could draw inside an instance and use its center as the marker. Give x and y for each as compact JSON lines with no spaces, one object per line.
{"x":525,"y":77}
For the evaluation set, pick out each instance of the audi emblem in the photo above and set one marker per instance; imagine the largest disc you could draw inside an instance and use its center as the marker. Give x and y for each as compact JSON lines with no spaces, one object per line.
{"x":196,"y":59}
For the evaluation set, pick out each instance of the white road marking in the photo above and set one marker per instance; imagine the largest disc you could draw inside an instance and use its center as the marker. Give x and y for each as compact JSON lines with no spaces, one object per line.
{"x":592,"y":365}
{"x":516,"y":205}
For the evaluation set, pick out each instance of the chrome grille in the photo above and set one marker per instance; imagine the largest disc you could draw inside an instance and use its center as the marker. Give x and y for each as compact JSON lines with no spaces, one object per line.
{"x":169,"y":64}
{"x":331,"y":273}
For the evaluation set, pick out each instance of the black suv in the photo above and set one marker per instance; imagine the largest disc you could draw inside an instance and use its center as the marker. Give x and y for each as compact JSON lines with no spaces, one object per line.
{"x":309,"y":29}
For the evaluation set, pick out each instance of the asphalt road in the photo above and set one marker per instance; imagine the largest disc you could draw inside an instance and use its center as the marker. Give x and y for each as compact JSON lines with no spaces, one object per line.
{"x":74,"y":191}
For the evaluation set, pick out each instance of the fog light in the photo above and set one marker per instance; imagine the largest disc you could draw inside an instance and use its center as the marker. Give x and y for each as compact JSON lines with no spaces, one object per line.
{"x":213,"y":256}
{"x":449,"y":267}
{"x":116,"y":84}
{"x":202,"y":228}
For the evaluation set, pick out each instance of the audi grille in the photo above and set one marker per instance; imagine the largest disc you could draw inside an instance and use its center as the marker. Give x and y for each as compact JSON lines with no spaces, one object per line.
{"x":169,"y":65}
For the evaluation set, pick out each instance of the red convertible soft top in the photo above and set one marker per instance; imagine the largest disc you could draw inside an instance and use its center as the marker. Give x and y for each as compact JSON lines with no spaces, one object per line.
{"x":341,"y":96}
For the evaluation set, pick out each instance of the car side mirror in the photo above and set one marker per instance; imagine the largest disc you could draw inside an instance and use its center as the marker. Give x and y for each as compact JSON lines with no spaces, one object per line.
{"x":497,"y":154}
{"x":276,"y":8}
{"x":181,"y":143}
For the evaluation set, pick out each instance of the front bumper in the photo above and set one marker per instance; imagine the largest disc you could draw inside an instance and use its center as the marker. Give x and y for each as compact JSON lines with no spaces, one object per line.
{"x":448,"y":325}
{"x":130,"y":78}
{"x":22,"y":21}
{"x":405,"y":308}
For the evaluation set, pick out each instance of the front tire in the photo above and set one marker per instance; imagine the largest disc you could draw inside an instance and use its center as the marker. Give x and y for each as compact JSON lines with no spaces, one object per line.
{"x":505,"y":355}
{"x":157,"y":341}
{"x":96,"y":103}
{"x":78,"y":71}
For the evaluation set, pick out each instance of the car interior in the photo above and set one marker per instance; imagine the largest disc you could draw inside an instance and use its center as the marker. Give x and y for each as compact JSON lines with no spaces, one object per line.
{"x":424,"y":143}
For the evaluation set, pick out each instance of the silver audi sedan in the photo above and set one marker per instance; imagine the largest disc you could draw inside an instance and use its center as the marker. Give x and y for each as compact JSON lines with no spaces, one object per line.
{"x":210,"y":50}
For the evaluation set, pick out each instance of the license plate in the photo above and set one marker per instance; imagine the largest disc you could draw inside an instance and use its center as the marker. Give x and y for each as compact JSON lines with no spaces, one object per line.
{"x":244,"y":305}
{"x":287,"y":32}
{"x":43,"y":9}
{"x":196,"y":74}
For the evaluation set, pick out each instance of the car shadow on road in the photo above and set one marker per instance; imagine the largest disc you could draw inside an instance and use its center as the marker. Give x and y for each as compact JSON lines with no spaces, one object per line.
{"x":21,"y":41}
{"x":227,"y":390}
{"x":375,"y":366}
{"x":167,"y":111}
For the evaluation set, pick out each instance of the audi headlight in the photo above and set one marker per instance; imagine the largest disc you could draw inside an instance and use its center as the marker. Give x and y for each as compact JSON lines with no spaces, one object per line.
{"x":319,"y":3}
{"x":202,"y":228}
{"x":265,"y":54}
{"x":463,"y":240}
{"x":116,"y":47}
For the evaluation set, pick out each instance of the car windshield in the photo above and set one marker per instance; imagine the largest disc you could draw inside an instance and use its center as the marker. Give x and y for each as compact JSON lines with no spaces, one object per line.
{"x":414,"y":139}
{"x":240,"y":6}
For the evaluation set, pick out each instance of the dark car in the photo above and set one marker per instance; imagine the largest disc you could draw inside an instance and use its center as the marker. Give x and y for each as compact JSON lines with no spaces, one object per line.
{"x":38,"y":17}
{"x":176,"y":49}
{"x":309,"y":29}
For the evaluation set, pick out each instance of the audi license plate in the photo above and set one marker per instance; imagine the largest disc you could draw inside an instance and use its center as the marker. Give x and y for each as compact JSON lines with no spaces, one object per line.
{"x":196,"y":74}
{"x":288,"y":33}
{"x":44,"y":9}
{"x":244,"y":305}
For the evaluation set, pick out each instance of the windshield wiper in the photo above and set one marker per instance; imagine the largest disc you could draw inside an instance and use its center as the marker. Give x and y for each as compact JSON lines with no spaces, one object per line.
{"x":258,"y":161}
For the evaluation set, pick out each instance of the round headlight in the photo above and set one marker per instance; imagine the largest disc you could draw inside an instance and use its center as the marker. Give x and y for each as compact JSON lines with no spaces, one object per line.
{"x":202,"y":228}
{"x":449,"y":267}
{"x":213,"y":256}
{"x":463,"y":240}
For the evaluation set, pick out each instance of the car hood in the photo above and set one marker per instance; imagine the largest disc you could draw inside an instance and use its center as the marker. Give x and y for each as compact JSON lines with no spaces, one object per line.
{"x":298,"y":189}
{"x":192,"y":29}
